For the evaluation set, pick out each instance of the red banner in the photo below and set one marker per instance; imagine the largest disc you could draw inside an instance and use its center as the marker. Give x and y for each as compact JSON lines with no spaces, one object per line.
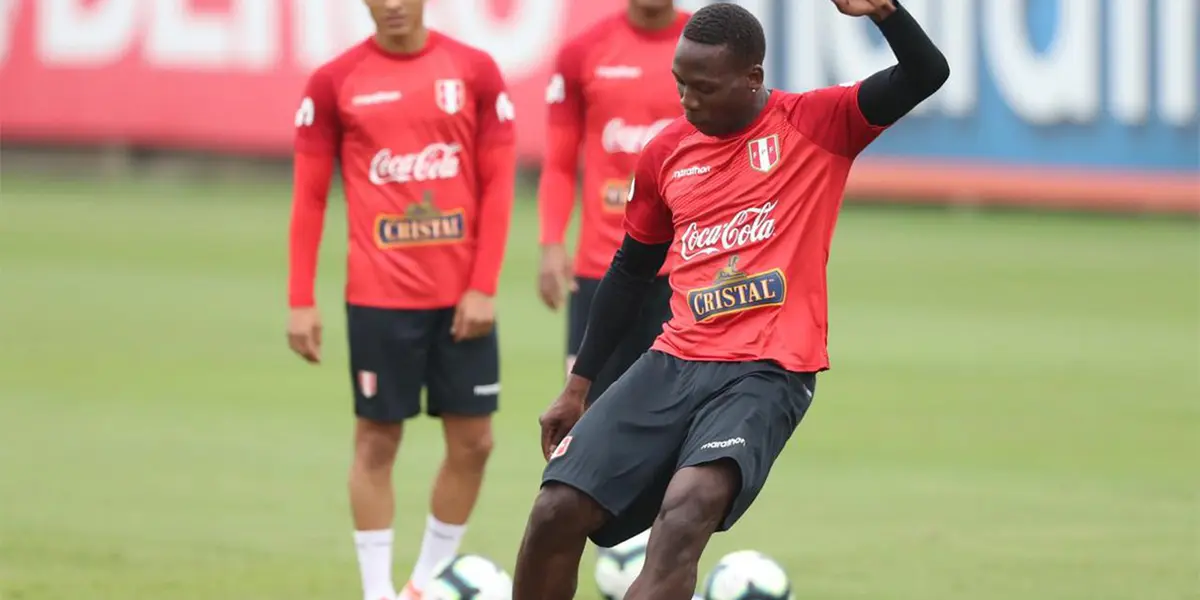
{"x":227,"y":74}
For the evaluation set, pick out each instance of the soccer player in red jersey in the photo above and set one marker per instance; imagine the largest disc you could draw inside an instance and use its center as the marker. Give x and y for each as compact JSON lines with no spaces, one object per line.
{"x":421,"y":126}
{"x":611,"y":92}
{"x":744,"y":192}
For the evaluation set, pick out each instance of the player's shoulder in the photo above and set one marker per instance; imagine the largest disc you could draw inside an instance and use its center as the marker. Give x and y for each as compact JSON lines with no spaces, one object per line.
{"x":792,"y":99}
{"x":344,"y":62}
{"x":469,"y":54}
{"x":816,"y":103}
{"x":668,"y":139}
{"x":591,"y":38}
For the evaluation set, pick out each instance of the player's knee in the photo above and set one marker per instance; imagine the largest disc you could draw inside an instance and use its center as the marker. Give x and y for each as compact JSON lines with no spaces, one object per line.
{"x":697,"y":501}
{"x":561,"y":509}
{"x":470,"y":452}
{"x":375,"y":444}
{"x":469,"y":441}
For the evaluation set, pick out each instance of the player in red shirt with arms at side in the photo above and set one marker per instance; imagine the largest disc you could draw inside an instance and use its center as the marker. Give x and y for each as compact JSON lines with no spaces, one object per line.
{"x":745,"y":192}
{"x":611,"y":92}
{"x":421,"y":126}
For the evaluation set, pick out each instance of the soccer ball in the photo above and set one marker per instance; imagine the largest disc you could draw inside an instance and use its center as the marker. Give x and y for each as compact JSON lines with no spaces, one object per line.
{"x":617,"y":567}
{"x":747,"y":575}
{"x":468,"y":577}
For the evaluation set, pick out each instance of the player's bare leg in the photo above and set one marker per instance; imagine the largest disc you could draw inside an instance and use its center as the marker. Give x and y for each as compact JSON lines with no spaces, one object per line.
{"x":548,"y":562}
{"x":696,"y":502}
{"x":468,"y":446}
{"x":372,"y":503}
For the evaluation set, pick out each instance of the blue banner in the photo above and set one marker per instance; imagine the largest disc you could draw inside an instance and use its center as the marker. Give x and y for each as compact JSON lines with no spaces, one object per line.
{"x":1094,"y":84}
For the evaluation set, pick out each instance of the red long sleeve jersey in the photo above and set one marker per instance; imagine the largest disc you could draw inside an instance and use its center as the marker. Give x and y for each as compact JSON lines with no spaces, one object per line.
{"x":612,"y":91}
{"x":427,"y":154}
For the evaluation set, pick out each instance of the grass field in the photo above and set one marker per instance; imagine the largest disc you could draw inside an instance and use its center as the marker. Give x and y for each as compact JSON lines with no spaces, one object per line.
{"x":1013,"y":411}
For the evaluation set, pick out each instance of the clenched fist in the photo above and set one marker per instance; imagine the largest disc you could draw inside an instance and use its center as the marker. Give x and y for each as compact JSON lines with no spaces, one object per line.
{"x":876,"y":9}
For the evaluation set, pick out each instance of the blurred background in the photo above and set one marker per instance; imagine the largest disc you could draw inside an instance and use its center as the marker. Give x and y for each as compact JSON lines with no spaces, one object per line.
{"x":1014,"y":408}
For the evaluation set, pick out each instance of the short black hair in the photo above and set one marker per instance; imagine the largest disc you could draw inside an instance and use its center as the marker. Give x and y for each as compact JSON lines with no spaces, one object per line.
{"x":726,"y":24}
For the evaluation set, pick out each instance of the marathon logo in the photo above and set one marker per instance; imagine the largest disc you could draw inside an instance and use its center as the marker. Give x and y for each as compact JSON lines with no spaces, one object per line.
{"x":735,"y":291}
{"x":421,"y":224}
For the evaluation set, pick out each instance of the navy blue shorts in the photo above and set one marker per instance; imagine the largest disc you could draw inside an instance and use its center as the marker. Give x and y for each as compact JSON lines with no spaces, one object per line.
{"x":665,"y":414}
{"x":395,"y":354}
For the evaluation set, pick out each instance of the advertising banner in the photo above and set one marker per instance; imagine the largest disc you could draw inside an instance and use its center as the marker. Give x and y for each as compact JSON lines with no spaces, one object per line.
{"x":1075,"y":103}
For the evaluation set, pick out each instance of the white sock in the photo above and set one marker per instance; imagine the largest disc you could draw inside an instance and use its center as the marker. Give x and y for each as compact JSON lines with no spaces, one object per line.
{"x":440,"y":543}
{"x":375,"y":563}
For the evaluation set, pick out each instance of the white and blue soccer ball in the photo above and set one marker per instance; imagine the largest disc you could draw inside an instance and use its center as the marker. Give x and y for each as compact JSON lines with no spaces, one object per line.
{"x":617,"y":567}
{"x":469,"y":577}
{"x":747,"y":575}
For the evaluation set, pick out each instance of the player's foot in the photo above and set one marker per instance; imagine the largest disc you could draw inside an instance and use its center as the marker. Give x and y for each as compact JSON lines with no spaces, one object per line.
{"x":410,"y":593}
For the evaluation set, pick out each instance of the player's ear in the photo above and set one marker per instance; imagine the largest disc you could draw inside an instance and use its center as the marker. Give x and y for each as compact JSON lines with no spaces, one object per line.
{"x":755,"y":77}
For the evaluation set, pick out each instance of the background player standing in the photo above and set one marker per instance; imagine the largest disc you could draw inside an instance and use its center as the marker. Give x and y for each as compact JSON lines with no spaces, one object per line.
{"x":421,"y":126}
{"x":611,"y":92}
{"x":746,"y":190}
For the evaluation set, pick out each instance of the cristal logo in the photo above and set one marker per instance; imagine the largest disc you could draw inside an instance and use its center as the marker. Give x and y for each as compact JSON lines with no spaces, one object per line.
{"x":435,"y":161}
{"x":620,"y":136}
{"x":748,"y":226}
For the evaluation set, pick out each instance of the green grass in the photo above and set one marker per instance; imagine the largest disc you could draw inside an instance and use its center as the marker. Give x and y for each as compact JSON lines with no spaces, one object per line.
{"x":1013,"y":409}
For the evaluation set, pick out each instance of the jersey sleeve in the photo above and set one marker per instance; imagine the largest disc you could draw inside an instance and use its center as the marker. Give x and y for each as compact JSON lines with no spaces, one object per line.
{"x":494,"y":109}
{"x":564,"y":133}
{"x":832,"y":118}
{"x":564,"y":93}
{"x":318,"y":140}
{"x":647,"y":217}
{"x":318,"y":124}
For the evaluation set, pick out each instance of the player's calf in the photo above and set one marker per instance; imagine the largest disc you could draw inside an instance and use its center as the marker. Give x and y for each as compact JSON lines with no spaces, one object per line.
{"x":372,"y":503}
{"x":558,"y":527}
{"x":375,"y":446}
{"x":455,"y":491}
{"x":696,"y":503}
{"x":468,"y":446}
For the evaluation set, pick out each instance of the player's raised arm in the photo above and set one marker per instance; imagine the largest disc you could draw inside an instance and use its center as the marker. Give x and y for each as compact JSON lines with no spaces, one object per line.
{"x":317,"y":141}
{"x":560,"y":164}
{"x":921,"y":68}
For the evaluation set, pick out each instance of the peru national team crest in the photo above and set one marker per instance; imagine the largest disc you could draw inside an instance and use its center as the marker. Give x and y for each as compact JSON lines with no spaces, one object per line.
{"x":366,"y":383}
{"x":764,"y":153}
{"x":451,"y":95}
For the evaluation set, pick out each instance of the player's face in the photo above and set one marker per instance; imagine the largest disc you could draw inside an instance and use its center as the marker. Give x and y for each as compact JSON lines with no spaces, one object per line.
{"x":715,"y":90}
{"x":397,"y":17}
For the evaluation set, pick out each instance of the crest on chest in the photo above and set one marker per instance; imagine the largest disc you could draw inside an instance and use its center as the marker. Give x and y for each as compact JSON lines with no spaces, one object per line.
{"x":450,"y":95}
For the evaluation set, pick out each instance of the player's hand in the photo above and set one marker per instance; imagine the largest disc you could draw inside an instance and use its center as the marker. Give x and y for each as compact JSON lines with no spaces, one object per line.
{"x":474,"y":317}
{"x":554,"y":275}
{"x":304,"y":333}
{"x":561,"y":416}
{"x":863,"y":8}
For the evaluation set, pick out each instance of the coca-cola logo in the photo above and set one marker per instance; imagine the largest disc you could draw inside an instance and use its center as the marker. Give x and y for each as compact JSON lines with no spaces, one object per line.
{"x":435,"y":161}
{"x":619,"y":136}
{"x":748,"y":226}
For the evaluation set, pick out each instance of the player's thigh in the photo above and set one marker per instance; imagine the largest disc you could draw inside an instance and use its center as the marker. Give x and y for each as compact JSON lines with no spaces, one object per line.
{"x":627,"y":445}
{"x":749,"y":421}
{"x":388,"y":352}
{"x":578,"y":307}
{"x":463,"y":377}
